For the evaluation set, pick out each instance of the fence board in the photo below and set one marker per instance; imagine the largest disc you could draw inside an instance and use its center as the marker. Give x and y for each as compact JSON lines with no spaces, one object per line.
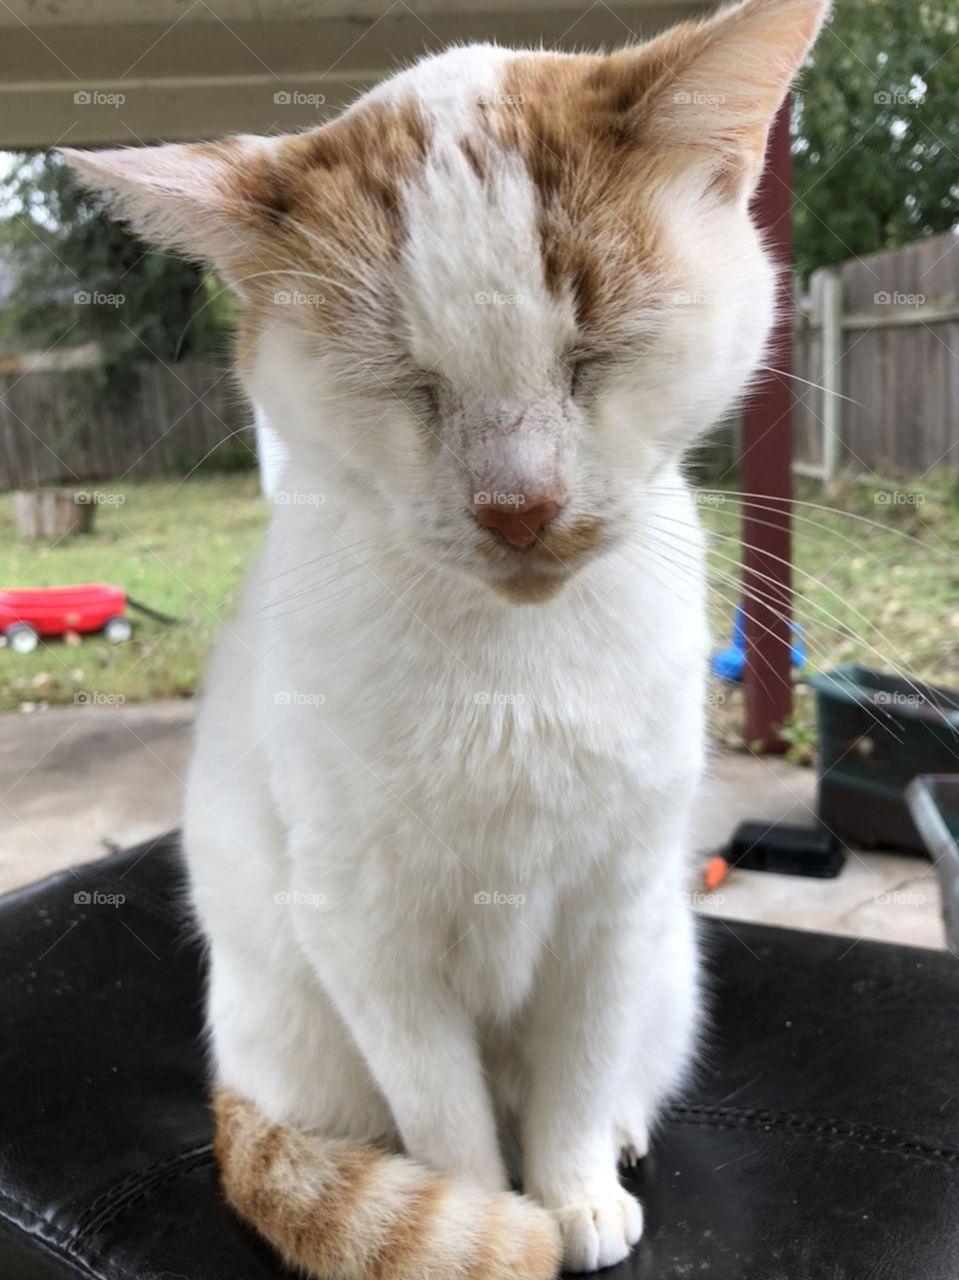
{"x":173,"y":418}
{"x":900,"y":366}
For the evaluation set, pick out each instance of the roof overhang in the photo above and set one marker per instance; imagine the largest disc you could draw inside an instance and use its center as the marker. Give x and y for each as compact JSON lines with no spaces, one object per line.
{"x":90,"y":71}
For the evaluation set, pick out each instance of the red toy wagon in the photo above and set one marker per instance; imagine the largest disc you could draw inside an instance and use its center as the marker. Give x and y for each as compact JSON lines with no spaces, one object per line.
{"x":27,"y":615}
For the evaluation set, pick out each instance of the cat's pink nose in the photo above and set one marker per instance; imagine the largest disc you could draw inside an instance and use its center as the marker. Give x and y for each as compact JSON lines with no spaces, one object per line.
{"x":518,"y":521}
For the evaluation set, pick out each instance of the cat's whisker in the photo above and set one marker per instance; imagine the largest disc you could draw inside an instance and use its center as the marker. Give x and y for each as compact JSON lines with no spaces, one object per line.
{"x":322,"y":564}
{"x":303,"y":565}
{"x":771,"y":604}
{"x":365,"y":565}
{"x":787,"y":505}
{"x":854,"y":543}
{"x":884,"y":654}
{"x":394,"y":598}
{"x":845,"y":630}
{"x":738,"y":540}
{"x":299,"y":274}
{"x":318,"y":606}
{"x":669,"y":563}
{"x":318,"y":600}
{"x":817,"y":386}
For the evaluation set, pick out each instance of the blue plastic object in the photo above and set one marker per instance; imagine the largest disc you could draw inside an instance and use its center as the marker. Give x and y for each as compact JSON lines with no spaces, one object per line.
{"x":730,"y":663}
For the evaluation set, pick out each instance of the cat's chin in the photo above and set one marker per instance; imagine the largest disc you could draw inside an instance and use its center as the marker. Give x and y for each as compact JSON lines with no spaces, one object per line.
{"x":530,"y":586}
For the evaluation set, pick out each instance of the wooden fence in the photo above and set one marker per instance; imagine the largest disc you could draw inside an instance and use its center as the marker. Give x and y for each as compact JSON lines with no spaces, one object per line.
{"x":882,"y":334}
{"x":174,"y":418}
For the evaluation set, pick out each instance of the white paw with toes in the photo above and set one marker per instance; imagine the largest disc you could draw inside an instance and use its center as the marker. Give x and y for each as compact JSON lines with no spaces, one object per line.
{"x":600,"y":1230}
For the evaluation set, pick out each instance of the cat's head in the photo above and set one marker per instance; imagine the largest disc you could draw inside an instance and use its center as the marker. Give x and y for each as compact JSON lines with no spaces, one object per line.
{"x":492,"y":300}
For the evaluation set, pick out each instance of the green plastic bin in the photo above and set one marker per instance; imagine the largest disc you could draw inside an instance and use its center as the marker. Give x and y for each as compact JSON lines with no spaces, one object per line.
{"x":876,"y":733}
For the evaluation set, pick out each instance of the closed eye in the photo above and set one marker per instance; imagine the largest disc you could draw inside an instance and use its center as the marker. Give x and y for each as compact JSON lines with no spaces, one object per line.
{"x":578,"y":370}
{"x":430,"y":391}
{"x":423,"y":386}
{"x":581,"y":371}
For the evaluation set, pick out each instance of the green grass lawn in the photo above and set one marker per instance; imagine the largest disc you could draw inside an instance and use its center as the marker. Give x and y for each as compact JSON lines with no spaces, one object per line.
{"x":876,"y":582}
{"x":179,"y":547}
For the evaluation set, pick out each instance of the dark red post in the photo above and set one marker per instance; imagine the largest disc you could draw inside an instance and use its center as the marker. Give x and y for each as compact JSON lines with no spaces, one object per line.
{"x":766,"y":465}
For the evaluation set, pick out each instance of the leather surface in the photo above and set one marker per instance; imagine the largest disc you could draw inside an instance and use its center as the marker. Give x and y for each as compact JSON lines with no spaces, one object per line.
{"x":820,"y":1140}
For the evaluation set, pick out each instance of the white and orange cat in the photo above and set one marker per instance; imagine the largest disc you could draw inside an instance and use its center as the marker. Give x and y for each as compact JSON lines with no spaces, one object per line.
{"x":437,"y":820}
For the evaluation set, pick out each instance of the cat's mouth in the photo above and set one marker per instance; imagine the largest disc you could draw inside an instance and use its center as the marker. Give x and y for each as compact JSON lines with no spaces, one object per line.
{"x":530,"y":587}
{"x":540,"y":571}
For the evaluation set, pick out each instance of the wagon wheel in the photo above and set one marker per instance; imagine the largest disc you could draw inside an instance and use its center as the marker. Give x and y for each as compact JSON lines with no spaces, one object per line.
{"x":21,"y":637}
{"x":118,"y":629}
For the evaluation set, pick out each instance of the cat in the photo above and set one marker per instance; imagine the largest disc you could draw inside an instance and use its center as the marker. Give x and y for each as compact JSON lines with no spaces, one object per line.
{"x":437,"y":817}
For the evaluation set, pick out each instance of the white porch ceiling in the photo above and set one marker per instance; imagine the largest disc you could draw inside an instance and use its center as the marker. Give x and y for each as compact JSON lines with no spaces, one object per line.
{"x":200,"y":68}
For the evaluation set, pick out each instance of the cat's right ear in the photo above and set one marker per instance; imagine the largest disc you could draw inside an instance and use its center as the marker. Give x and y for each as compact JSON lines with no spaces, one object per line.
{"x":712,"y":88}
{"x":211,"y":201}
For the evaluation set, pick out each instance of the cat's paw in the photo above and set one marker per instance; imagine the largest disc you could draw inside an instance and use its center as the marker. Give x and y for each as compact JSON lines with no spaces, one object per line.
{"x":631,"y":1136}
{"x":600,"y":1230}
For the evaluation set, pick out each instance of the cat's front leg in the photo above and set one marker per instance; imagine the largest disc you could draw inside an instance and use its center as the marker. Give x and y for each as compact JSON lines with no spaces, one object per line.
{"x":418,"y":1043}
{"x":580,"y":1044}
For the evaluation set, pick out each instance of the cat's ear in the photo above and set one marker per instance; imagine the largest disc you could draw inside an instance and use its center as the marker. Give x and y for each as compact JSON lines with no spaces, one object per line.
{"x":720,"y":83}
{"x":205,"y":200}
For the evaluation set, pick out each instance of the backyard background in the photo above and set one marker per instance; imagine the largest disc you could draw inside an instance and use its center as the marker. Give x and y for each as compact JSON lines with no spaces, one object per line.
{"x":115,"y":382}
{"x":876,"y":581}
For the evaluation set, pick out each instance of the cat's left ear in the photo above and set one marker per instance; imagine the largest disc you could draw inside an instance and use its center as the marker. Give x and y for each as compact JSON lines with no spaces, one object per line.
{"x":721,"y":82}
{"x":210,"y":201}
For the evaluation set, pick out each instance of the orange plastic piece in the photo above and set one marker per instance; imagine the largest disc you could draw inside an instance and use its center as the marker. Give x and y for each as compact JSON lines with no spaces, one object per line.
{"x":716,"y":871}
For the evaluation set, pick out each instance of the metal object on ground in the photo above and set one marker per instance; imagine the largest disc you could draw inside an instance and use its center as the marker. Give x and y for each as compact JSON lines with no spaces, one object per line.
{"x":934,"y":804}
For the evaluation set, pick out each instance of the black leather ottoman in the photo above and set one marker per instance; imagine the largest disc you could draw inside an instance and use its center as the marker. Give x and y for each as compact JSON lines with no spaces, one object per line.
{"x":821,"y":1141}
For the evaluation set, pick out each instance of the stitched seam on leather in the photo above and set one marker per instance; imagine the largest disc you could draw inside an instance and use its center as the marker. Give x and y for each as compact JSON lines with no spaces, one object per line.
{"x":54,"y":1243}
{"x":133,"y":1181}
{"x":818,"y":1135}
{"x":131,"y":1185}
{"x":121,"y":1207}
{"x":888,"y":1140}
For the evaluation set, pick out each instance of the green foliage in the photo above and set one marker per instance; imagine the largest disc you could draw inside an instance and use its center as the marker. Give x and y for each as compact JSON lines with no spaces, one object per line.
{"x":235,"y":454}
{"x":877,"y":132}
{"x":75,"y":276}
{"x":800,"y":732}
{"x":714,"y":458}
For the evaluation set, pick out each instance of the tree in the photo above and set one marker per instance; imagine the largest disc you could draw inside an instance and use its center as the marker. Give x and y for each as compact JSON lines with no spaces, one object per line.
{"x":876,"y":153}
{"x":73,"y":275}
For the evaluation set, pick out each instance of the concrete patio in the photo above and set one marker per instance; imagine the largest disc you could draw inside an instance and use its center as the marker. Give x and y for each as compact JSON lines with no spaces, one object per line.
{"x":79,"y":782}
